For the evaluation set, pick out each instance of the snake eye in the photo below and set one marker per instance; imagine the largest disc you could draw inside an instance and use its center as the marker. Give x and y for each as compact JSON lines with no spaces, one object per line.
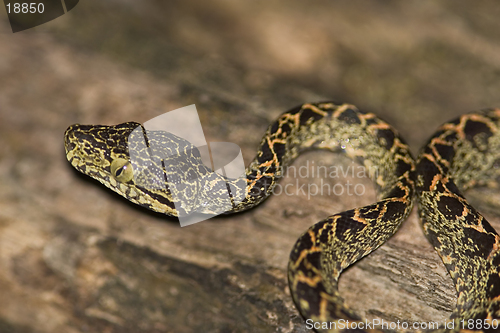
{"x":121,"y":170}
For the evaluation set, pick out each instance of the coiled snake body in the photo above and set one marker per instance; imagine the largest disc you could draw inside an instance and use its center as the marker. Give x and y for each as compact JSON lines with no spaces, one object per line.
{"x":462,"y":154}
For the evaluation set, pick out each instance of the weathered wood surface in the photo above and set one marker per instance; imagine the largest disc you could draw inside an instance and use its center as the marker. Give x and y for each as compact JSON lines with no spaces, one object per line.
{"x":76,"y":258}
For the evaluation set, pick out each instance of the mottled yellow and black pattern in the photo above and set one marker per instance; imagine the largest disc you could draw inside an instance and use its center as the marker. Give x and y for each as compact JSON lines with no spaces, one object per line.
{"x":462,"y":154}
{"x":330,"y":246}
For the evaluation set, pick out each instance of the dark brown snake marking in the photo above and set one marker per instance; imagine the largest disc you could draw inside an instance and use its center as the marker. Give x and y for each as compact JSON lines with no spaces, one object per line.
{"x":461,"y":151}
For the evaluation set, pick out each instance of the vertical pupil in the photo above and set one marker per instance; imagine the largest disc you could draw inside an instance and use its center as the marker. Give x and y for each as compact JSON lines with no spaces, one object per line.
{"x":120,"y":170}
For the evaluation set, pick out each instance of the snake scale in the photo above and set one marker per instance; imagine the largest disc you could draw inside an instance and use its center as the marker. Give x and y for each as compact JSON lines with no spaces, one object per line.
{"x":462,"y":154}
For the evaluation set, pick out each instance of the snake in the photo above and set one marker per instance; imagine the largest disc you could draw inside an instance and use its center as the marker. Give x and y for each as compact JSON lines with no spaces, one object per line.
{"x":157,"y":170}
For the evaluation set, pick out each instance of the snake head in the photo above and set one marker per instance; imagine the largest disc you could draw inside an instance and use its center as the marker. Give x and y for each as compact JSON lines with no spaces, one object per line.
{"x":91,"y":149}
{"x":154,"y":169}
{"x":103,"y":153}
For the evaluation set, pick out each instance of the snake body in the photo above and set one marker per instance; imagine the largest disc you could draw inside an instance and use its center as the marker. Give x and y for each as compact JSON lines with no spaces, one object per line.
{"x":462,"y":154}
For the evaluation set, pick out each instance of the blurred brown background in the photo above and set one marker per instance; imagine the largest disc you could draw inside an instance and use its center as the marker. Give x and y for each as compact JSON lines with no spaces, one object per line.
{"x":74,"y":257}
